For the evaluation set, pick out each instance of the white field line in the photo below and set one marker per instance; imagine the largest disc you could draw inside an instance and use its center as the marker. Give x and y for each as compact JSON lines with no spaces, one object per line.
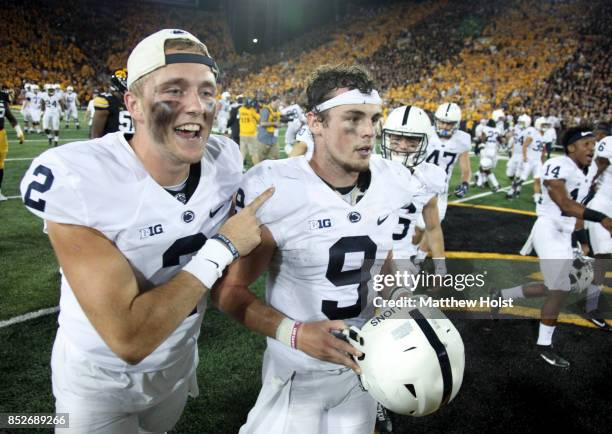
{"x":487,"y":193}
{"x":28,"y":316}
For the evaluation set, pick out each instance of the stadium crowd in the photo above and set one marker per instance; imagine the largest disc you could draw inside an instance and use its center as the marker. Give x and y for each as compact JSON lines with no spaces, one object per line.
{"x":481,"y":55}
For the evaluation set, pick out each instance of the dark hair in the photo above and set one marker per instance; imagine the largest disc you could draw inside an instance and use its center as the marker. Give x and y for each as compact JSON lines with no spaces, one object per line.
{"x":603,"y":126}
{"x":327,"y":78}
{"x":573,"y":134}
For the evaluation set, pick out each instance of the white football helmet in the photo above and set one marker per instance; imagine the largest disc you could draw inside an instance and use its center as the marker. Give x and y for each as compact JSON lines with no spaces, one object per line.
{"x":225,"y":96}
{"x":582,"y":272}
{"x":498,"y":115}
{"x":448,"y":113}
{"x":541,"y":124}
{"x":49,"y":88}
{"x":70,"y":89}
{"x":28,"y":87}
{"x":413,"y":360}
{"x":524,"y":120}
{"x":57,"y":86}
{"x":406,"y":124}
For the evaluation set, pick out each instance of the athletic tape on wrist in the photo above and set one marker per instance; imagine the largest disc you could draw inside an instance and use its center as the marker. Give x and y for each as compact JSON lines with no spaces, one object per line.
{"x":208,"y":264}
{"x":18,"y":130}
{"x":286,"y":332}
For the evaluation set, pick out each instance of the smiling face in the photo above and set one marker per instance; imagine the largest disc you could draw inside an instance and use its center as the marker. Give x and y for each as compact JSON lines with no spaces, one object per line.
{"x":347,"y":136}
{"x":176,"y":109}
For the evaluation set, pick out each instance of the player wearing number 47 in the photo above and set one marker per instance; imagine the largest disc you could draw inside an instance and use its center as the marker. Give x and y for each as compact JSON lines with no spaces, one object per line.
{"x":125,"y":216}
{"x":326,"y":231}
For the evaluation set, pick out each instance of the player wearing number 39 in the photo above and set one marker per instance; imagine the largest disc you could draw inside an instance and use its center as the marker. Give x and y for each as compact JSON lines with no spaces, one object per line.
{"x":140,"y":227}
{"x":326,"y":231}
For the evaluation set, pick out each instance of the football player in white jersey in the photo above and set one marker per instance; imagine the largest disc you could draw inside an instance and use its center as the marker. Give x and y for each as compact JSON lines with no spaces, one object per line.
{"x":600,"y":239}
{"x":71,"y":99}
{"x":513,"y":167}
{"x":35,"y":110}
{"x":549,"y":136}
{"x":326,"y":232}
{"x":124,"y":215}
{"x":223,"y":109}
{"x":491,"y":138}
{"x":405,"y":137}
{"x":51,"y":104}
{"x":533,"y":154}
{"x":564,"y":185}
{"x":27,"y":107}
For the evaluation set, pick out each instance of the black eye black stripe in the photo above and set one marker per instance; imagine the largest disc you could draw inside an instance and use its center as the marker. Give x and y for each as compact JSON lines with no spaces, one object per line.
{"x":440,"y":349}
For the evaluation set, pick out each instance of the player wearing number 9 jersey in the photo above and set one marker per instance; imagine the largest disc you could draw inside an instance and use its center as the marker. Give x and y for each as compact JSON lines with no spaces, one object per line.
{"x":110,"y":113}
{"x":138,"y":224}
{"x":326,"y":231}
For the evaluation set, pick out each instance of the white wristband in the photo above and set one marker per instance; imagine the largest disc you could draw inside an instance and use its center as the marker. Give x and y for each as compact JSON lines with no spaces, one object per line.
{"x":286,"y":332}
{"x":18,"y":130}
{"x":208,"y":264}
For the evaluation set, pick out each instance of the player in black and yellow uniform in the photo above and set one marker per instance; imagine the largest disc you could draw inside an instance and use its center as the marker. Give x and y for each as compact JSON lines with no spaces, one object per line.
{"x":5,"y":112}
{"x":110,"y":114}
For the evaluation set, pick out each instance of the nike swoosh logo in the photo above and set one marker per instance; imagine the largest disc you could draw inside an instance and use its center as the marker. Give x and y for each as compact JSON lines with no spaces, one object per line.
{"x":382,"y":219}
{"x":586,"y":134}
{"x":214,"y":213}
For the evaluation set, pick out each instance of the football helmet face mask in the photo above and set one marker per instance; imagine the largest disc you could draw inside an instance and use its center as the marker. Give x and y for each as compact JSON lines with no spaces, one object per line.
{"x":405,"y":136}
{"x":118,"y":81}
{"x":524,"y":121}
{"x":447,"y":119}
{"x":413,"y":361}
{"x":542,"y":124}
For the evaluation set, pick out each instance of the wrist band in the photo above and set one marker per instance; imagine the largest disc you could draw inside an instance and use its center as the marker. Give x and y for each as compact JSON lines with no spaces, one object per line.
{"x":208,"y":264}
{"x":593,"y":216}
{"x":287,"y":331}
{"x":228,"y":244}
{"x":582,"y":236}
{"x":18,"y":130}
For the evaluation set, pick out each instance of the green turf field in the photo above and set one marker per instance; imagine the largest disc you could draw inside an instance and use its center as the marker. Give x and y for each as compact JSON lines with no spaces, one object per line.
{"x":230,"y":356}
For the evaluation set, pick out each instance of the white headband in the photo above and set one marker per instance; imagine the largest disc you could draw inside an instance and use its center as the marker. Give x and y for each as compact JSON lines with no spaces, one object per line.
{"x":354,"y":96}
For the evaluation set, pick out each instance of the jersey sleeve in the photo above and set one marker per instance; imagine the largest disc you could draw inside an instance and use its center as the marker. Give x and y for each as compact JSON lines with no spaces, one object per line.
{"x":466,"y":143}
{"x":604,"y":148}
{"x":101,"y":103}
{"x":48,"y":191}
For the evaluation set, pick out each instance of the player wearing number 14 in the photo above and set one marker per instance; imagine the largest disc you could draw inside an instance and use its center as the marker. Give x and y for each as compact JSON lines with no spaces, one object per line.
{"x":125,"y":213}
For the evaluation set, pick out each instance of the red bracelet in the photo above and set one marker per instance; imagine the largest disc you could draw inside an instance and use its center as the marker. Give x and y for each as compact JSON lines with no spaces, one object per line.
{"x":294,"y":332}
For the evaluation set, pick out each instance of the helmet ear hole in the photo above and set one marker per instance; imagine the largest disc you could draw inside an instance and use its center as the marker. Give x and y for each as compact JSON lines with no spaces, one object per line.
{"x":411,"y":389}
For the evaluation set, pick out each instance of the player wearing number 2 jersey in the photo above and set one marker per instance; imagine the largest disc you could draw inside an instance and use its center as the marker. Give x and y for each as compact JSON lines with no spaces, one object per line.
{"x":326,"y":231}
{"x":137,"y":224}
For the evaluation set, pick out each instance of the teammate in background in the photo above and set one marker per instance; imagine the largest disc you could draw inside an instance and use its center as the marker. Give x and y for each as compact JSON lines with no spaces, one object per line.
{"x":223,"y":109}
{"x":26,"y":108}
{"x":304,"y":143}
{"x":248,"y":119}
{"x":330,"y":218}
{"x":513,"y":168}
{"x":267,"y":131}
{"x":233,"y":122}
{"x":295,"y":118}
{"x":405,"y":137}
{"x":110,"y":113}
{"x":91,"y":110}
{"x":36,"y":108}
{"x":51,"y":105}
{"x":533,"y":153}
{"x":126,"y":215}
{"x":490,"y":136}
{"x":564,"y":186}
{"x":448,"y":145}
{"x":5,"y":113}
{"x":71,"y":100}
{"x":478,"y":136}
{"x":599,"y":239}
{"x":549,"y":136}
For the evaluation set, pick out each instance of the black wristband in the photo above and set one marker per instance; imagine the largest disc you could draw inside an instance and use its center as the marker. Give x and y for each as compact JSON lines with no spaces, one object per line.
{"x":593,"y":216}
{"x":226,"y":241}
{"x":582,"y":236}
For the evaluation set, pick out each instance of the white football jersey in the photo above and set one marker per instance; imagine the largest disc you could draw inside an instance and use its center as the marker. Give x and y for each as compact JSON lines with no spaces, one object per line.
{"x":292,"y":129}
{"x":445,"y":152}
{"x":70,"y":98}
{"x":304,"y":135}
{"x":534,"y":151}
{"x":576,"y":184}
{"x":52,"y":103}
{"x":102,"y":184}
{"x":603,"y":149}
{"x":432,"y":179}
{"x":327,"y":249}
{"x":30,"y":100}
{"x":38,"y":99}
{"x":517,"y":142}
{"x":549,"y":136}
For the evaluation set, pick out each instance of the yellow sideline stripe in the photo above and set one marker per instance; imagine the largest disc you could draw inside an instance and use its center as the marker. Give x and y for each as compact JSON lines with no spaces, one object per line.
{"x":477,"y":255}
{"x":530,"y":312}
{"x":538,"y":276}
{"x":494,"y":208}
